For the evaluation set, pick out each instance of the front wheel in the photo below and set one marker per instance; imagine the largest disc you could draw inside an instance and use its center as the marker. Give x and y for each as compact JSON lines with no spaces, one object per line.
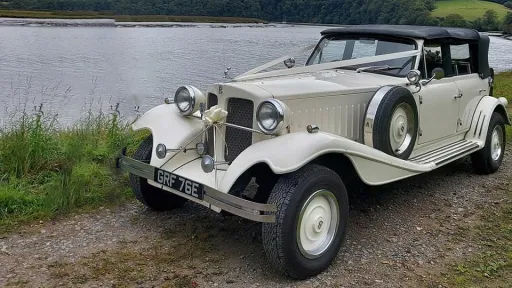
{"x":311,"y":221}
{"x":152,"y":197}
{"x":488,"y":159}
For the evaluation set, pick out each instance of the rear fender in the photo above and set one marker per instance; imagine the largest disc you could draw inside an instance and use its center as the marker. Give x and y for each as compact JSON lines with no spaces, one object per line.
{"x":290,"y":152}
{"x":482,"y":117}
{"x":168,"y":127}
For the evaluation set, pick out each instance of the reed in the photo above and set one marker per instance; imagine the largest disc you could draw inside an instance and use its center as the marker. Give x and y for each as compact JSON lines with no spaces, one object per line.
{"x":47,"y":170}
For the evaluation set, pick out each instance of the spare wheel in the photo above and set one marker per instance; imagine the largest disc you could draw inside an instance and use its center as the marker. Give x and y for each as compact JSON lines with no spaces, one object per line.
{"x":391,"y":121}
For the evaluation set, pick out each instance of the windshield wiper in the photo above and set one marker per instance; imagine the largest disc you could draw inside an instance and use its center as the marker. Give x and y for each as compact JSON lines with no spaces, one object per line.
{"x":377,"y":68}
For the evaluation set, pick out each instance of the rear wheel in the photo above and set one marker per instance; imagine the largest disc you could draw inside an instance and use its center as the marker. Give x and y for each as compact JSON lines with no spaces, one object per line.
{"x":488,"y":159}
{"x":149,"y":195}
{"x":311,"y":220}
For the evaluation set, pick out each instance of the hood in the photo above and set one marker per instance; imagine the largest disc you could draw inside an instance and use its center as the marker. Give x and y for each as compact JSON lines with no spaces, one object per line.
{"x":324,"y":83}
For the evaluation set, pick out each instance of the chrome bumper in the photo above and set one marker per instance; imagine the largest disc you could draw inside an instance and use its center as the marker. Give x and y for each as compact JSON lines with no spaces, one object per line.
{"x":232,"y":204}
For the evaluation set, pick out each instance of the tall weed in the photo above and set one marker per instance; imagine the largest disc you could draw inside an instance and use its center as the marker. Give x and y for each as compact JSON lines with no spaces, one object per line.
{"x":47,"y":170}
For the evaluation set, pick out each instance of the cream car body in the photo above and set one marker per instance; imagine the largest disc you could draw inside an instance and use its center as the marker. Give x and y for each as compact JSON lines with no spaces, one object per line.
{"x":329,"y":112}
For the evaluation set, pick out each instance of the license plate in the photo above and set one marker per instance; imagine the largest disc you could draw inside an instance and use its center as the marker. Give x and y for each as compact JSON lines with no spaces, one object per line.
{"x":179,"y":183}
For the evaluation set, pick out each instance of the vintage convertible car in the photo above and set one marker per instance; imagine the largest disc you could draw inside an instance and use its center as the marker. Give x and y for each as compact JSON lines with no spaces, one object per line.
{"x":372,"y":105}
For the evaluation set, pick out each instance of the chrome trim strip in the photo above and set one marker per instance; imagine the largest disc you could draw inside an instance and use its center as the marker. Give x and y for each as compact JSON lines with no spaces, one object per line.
{"x":371,"y":111}
{"x":481,"y":127}
{"x":136,"y":167}
{"x":242,"y":213}
{"x":451,"y":145}
{"x":442,"y":155}
{"x":477,"y":121}
{"x":226,"y":198}
{"x":243,"y":128}
{"x":456,"y":156}
{"x":455,"y":151}
{"x":235,"y":205}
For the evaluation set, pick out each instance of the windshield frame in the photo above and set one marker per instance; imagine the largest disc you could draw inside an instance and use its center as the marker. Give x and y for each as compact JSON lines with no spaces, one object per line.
{"x":404,"y":40}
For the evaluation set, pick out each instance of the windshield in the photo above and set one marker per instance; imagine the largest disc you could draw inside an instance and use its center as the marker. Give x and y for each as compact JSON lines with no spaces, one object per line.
{"x":337,"y":48}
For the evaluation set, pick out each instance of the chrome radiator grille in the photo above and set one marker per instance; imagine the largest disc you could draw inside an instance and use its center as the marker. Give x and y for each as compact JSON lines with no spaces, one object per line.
{"x":211,"y":101}
{"x":240,"y":112}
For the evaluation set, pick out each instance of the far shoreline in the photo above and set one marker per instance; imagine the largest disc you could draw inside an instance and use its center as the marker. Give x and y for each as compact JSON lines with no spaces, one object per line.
{"x":95,"y":16}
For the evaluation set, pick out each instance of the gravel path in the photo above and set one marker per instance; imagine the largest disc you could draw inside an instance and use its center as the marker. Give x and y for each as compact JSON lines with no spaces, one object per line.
{"x":398,"y":235}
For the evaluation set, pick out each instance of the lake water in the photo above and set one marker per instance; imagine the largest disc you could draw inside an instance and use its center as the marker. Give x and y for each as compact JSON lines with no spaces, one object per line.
{"x":72,"y":68}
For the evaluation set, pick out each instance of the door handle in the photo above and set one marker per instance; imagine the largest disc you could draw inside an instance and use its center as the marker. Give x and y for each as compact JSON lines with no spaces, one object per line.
{"x":482,"y":90}
{"x":458,"y":96}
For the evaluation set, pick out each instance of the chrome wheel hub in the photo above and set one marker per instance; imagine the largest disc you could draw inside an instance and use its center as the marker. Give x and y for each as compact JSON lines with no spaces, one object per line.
{"x":401,"y":128}
{"x":496,"y":143}
{"x":318,"y":224}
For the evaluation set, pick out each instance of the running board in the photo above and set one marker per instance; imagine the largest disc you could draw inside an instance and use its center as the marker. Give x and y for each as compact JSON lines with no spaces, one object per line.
{"x":447,"y":153}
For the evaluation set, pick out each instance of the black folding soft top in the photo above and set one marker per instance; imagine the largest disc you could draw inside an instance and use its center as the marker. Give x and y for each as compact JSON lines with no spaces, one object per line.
{"x":449,"y":35}
{"x":408,"y":31}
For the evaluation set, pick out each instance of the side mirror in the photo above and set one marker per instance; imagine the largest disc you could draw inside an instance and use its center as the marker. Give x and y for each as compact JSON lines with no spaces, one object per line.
{"x":290,"y":62}
{"x":437,"y":73}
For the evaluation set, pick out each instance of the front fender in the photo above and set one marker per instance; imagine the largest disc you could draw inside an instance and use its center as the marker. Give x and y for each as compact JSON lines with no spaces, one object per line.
{"x":482,"y":117}
{"x":169,"y":127}
{"x":288,"y":153}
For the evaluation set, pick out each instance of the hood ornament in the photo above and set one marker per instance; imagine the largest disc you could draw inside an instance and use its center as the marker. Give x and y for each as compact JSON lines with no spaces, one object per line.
{"x":226,"y":72}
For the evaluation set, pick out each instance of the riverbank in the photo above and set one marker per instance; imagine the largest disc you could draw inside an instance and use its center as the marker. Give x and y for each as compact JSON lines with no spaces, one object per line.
{"x":91,"y":15}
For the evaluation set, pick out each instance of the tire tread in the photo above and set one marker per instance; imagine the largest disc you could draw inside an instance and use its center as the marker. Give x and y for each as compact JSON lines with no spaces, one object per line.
{"x":273,"y":233}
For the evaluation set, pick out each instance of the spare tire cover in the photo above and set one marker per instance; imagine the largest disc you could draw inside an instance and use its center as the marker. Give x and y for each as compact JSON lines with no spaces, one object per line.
{"x":391,"y":121}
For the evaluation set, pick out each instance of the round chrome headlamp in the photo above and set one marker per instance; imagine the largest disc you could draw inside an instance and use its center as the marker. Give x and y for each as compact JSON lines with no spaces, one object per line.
{"x":187,"y":99}
{"x":201,"y":148}
{"x":413,"y":77}
{"x":270,"y":116}
{"x":161,"y":151}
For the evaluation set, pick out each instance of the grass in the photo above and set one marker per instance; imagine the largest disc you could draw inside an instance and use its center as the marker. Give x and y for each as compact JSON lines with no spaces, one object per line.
{"x":492,"y":265}
{"x":170,"y":261}
{"x":123,"y":18}
{"x":47,"y":170}
{"x":503,"y":88}
{"x":503,"y":85}
{"x":469,"y":9}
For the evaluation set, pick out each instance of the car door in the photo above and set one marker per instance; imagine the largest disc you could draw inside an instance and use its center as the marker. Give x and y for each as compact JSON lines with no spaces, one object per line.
{"x":439,"y":105}
{"x":472,"y":87}
{"x":438,"y":111}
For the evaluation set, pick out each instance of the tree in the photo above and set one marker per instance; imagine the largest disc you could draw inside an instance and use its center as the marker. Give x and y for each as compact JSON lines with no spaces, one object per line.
{"x":430,"y":5}
{"x":454,"y":20}
{"x":508,"y":4}
{"x":489,"y":22}
{"x":507,"y":23}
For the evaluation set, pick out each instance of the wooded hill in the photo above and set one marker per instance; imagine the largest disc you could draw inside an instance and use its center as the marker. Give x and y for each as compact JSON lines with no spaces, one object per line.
{"x":415,"y":12}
